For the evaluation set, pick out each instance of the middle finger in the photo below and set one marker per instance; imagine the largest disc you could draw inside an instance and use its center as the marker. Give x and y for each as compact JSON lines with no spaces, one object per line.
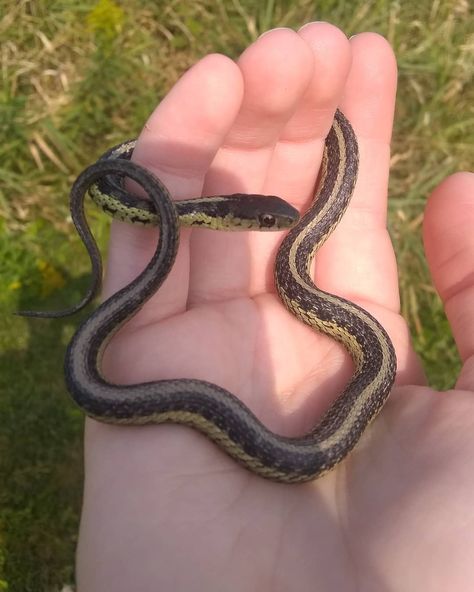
{"x":276,"y":69}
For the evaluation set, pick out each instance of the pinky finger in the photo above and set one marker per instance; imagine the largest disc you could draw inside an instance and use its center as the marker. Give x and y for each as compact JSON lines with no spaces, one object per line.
{"x":449,"y":245}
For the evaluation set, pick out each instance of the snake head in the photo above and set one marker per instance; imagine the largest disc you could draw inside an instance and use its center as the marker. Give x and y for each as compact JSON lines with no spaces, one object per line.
{"x":251,"y":212}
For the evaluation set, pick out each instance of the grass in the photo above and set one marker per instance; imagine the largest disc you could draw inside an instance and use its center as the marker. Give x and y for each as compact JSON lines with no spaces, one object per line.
{"x":79,"y":77}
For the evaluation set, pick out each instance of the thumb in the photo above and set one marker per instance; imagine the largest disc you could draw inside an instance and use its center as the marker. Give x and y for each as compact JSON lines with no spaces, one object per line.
{"x":449,"y":245}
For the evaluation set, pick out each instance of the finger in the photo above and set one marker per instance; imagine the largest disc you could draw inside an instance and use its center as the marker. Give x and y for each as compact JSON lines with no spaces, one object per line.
{"x":297,"y":155}
{"x":178,"y":143}
{"x":449,"y":245}
{"x":361,"y":246}
{"x":358,"y":260}
{"x":276,"y":70}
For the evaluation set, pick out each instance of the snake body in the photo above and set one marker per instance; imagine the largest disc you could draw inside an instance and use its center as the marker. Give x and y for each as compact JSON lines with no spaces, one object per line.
{"x":212,"y":410}
{"x":371,"y":349}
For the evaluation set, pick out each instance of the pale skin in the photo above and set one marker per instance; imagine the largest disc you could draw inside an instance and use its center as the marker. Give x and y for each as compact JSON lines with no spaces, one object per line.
{"x":164,"y":509}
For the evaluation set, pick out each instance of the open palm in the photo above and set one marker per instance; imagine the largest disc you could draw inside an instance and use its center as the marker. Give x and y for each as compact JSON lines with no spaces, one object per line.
{"x":164,"y":508}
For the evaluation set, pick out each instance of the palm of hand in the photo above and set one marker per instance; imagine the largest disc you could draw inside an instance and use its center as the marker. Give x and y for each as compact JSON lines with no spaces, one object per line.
{"x":377,"y":521}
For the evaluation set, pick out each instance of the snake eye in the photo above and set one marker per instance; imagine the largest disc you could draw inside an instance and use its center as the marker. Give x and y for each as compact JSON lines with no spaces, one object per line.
{"x":267,"y":220}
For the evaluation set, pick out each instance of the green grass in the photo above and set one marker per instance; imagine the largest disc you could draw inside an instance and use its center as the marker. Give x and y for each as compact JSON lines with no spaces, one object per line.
{"x":79,"y":77}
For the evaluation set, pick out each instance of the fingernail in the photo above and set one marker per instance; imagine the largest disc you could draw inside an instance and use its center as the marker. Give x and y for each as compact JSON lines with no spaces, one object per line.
{"x":275,"y":29}
{"x":311,"y":23}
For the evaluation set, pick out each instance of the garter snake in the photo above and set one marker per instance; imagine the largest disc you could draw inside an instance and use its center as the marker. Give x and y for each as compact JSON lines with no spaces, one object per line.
{"x":205,"y":406}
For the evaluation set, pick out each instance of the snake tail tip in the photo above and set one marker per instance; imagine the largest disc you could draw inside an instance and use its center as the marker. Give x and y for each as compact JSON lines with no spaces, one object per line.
{"x":43,"y":314}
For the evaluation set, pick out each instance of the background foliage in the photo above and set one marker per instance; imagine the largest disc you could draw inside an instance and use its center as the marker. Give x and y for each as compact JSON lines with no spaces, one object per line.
{"x":78,"y":77}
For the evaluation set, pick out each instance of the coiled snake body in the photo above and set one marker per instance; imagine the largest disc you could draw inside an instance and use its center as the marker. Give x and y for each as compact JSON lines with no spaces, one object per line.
{"x":204,"y":406}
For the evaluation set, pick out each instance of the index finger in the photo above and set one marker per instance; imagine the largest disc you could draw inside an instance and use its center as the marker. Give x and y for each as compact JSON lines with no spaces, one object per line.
{"x":178,"y":144}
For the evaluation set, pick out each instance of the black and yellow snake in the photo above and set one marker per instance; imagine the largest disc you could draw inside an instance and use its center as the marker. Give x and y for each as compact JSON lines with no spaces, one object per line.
{"x":202,"y":405}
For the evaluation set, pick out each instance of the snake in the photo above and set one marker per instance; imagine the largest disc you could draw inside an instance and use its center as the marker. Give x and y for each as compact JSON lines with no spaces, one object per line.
{"x":204,"y":406}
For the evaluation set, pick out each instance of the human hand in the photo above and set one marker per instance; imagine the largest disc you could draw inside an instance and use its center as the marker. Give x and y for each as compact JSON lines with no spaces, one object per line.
{"x":164,"y":508}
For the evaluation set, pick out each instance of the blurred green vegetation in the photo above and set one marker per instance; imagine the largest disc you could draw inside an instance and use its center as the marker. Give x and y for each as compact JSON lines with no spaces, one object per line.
{"x":78,"y":77}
